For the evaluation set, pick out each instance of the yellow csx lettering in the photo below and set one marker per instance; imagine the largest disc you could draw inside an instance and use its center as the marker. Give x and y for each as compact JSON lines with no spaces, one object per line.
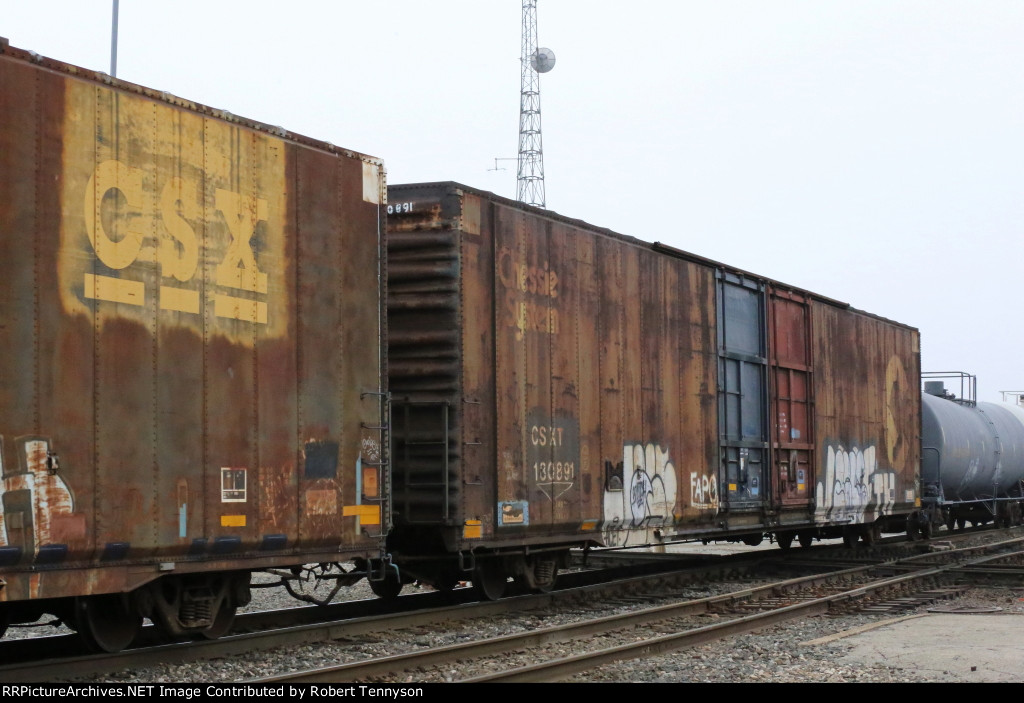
{"x":177,"y":244}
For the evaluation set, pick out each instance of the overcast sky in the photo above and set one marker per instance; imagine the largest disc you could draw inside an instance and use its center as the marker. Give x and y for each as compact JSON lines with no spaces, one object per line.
{"x":868,"y":150}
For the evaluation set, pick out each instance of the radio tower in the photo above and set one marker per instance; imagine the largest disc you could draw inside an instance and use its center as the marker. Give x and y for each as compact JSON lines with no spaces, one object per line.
{"x":531,"y":152}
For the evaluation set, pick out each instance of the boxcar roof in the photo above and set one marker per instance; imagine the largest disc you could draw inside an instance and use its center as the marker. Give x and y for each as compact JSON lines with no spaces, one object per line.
{"x":8,"y":51}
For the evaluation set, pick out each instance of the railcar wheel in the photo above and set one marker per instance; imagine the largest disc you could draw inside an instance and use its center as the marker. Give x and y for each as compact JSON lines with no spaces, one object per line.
{"x":806,"y":539}
{"x":785,"y":540}
{"x":752,"y":540}
{"x":105,"y":622}
{"x":490,"y":580}
{"x":221,"y":624}
{"x":388,"y":588}
{"x":545,"y":573}
{"x":950,"y":523}
{"x":849,"y":538}
{"x":871,"y":534}
{"x":913,"y":528}
{"x":961,"y":523}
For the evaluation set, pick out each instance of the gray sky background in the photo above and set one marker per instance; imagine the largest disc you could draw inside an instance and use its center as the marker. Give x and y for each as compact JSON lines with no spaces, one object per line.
{"x":868,"y":150}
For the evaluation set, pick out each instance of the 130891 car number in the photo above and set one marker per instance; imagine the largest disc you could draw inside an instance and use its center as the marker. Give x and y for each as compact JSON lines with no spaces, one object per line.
{"x":554,"y":471}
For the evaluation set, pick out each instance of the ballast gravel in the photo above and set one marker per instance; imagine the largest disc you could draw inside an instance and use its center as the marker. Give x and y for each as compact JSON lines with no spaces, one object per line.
{"x":811,"y":650}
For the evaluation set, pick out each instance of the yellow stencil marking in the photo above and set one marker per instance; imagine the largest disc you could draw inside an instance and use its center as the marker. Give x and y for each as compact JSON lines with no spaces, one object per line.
{"x":367,"y":514}
{"x":115,"y":290}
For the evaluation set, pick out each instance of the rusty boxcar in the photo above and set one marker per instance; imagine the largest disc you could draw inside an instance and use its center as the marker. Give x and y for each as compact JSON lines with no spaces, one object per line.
{"x":192,"y":380}
{"x":557,"y":385}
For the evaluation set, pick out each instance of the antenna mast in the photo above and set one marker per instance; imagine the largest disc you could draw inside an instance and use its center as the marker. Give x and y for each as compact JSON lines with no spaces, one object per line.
{"x":531,"y":152}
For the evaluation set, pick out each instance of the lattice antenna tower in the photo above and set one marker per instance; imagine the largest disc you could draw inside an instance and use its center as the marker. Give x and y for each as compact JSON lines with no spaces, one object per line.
{"x":535,"y":61}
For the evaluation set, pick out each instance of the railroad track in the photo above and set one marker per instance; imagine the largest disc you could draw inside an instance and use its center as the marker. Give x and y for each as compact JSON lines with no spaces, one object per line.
{"x":430,"y":611}
{"x":532,"y":657}
{"x":59,"y":658}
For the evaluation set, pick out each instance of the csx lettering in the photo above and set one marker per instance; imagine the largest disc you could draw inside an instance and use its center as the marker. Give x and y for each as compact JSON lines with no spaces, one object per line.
{"x":239,"y":269}
{"x":541,"y":436}
{"x":177,"y":254}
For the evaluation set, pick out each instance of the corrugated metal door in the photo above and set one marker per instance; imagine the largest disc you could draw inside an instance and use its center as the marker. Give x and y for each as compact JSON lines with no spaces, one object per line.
{"x":742,"y":392}
{"x":789,"y":340}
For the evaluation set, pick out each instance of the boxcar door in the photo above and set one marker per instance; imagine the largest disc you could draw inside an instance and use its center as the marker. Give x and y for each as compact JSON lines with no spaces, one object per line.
{"x":789,"y":342}
{"x":742,"y":393}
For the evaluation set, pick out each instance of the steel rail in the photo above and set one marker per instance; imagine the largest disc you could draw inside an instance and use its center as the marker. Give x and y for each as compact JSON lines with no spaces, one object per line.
{"x":559,"y":669}
{"x":388,"y":666}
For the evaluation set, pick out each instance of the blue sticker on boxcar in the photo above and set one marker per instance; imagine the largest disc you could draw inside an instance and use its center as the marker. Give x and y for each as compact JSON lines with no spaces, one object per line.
{"x":513,"y":513}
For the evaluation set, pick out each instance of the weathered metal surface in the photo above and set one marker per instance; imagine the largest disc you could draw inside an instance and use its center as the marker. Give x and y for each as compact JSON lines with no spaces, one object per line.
{"x":867,"y":410}
{"x":599,"y":387}
{"x":792,"y":400}
{"x":190,"y":313}
{"x":580,"y":391}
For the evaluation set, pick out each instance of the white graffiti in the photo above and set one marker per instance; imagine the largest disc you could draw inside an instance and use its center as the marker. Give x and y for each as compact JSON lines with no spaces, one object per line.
{"x":641,"y":498}
{"x":50,"y":499}
{"x":370,"y":448}
{"x":703,"y":491}
{"x":854,"y":489}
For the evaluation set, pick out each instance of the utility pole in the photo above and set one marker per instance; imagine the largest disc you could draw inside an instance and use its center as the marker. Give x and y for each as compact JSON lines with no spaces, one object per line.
{"x":113,"y":42}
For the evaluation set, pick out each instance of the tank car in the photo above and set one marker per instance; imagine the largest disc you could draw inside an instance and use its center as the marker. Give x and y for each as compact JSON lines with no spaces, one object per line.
{"x":972,"y":457}
{"x":557,"y":385}
{"x":192,"y":380}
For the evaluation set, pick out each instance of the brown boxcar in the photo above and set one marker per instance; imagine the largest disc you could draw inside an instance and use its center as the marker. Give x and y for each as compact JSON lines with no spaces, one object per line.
{"x":191,"y":386}
{"x":557,"y":385}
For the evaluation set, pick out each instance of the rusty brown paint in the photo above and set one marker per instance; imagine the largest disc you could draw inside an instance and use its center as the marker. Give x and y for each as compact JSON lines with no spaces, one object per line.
{"x":867,"y":400}
{"x":791,"y":371}
{"x":579,"y":369}
{"x":191,"y":308}
{"x":584,"y":358}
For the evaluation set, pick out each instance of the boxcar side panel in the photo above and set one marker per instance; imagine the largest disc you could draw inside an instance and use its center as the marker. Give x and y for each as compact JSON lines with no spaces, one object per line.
{"x":867,"y":410}
{"x":478,"y":354}
{"x":193,"y":309}
{"x":697,"y":455}
{"x":559,"y":445}
{"x":612,"y":426}
{"x":792,"y":402}
{"x":593,"y":468}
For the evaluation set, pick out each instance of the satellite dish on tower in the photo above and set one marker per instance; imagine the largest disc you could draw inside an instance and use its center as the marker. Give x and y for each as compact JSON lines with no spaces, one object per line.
{"x":543,"y":60}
